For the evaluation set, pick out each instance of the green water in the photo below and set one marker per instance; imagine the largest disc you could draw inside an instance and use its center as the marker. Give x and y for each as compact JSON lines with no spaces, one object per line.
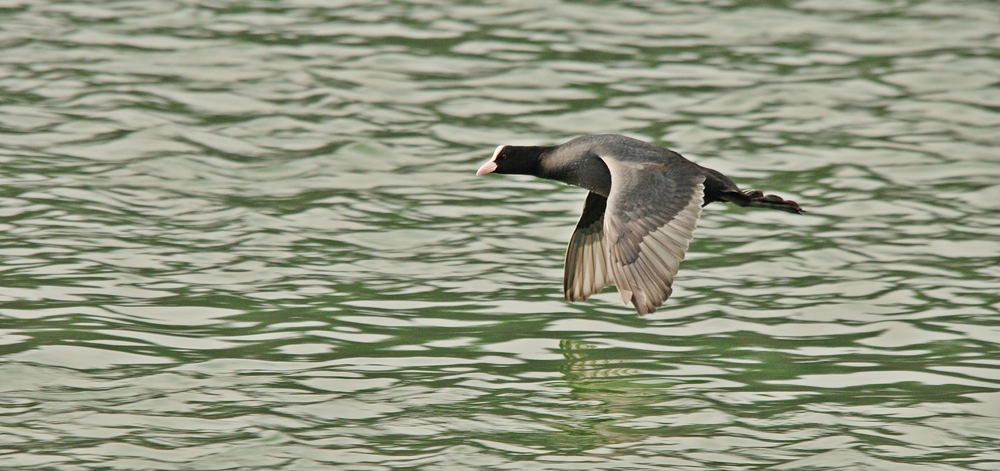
{"x":248,"y":235}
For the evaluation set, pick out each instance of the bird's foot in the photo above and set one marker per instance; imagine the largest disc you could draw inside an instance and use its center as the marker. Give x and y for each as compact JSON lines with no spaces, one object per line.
{"x":760,"y":200}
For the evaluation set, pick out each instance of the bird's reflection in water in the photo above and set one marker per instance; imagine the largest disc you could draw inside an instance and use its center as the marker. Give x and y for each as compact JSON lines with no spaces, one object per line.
{"x":614,"y":392}
{"x":580,"y":366}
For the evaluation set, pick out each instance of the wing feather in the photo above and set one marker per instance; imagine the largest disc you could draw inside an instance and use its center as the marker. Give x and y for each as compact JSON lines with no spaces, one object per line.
{"x":586,"y":268}
{"x":651,"y":216}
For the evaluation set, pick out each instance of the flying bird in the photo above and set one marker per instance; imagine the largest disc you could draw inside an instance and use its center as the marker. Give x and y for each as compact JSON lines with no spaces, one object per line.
{"x":640,"y":213}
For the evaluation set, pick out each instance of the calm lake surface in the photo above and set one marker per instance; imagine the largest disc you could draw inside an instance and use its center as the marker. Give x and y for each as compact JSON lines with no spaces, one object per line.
{"x":248,"y":235}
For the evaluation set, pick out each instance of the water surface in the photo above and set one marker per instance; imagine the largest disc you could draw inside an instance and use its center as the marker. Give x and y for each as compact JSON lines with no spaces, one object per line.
{"x":248,"y":235}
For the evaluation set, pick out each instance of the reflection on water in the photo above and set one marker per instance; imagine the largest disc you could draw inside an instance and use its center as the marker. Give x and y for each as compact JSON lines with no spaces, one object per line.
{"x":248,"y":236}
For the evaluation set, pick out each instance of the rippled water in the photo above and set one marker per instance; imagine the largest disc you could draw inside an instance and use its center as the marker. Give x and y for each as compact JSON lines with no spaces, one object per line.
{"x":247,"y":235}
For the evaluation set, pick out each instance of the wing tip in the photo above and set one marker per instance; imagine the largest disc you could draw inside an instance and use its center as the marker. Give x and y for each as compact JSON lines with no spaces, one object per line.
{"x":642,"y":302}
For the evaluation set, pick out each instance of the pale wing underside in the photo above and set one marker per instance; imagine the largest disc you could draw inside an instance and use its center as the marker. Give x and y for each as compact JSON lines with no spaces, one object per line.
{"x":586,"y":269}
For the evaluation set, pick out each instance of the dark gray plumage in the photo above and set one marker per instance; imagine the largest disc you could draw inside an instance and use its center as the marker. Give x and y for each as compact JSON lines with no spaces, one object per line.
{"x":639,"y":216}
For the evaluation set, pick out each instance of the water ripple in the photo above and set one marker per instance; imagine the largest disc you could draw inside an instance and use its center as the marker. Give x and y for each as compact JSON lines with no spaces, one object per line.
{"x":248,"y":236}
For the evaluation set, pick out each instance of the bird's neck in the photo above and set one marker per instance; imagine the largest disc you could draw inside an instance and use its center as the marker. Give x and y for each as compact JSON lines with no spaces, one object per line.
{"x":585,"y":170}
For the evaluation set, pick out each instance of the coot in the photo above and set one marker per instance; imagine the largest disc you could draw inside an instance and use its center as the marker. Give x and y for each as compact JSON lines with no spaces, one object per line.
{"x":639,"y":215}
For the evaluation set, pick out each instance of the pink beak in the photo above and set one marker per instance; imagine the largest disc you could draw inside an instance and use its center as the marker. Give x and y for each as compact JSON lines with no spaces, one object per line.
{"x":488,"y":167}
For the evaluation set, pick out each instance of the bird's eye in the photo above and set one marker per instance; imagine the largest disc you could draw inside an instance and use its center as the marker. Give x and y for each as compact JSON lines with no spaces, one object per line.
{"x":503,"y":156}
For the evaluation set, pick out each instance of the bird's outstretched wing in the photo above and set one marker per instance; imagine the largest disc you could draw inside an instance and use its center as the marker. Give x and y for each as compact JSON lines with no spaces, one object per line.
{"x":649,"y":220}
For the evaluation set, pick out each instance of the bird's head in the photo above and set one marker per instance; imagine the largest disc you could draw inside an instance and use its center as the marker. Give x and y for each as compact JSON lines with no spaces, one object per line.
{"x":521,"y":160}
